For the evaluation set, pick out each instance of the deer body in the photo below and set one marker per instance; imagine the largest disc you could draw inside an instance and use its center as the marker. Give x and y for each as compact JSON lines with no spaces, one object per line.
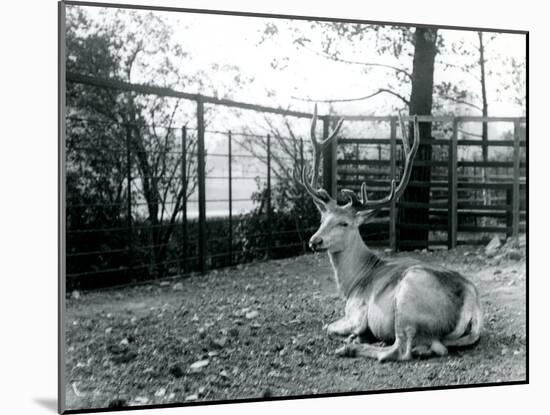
{"x":416,"y":308}
{"x":427,"y":306}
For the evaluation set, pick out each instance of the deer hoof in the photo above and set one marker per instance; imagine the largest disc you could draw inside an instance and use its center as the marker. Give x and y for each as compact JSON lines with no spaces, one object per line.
{"x":346,"y":350}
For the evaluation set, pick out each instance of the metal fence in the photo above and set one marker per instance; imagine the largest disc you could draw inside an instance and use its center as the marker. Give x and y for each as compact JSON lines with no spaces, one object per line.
{"x":151,"y":214}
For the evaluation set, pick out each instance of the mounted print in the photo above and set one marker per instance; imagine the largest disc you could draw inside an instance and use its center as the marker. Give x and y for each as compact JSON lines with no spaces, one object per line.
{"x":260,"y":207}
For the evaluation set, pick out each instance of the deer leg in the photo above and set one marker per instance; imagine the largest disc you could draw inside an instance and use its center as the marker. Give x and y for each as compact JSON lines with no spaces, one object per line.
{"x":341,"y":327}
{"x":438,"y":348}
{"x":422,"y":350}
{"x":401,"y":349}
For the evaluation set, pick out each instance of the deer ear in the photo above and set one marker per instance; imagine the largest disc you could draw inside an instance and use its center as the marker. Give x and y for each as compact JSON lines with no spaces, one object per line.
{"x":364,"y":216}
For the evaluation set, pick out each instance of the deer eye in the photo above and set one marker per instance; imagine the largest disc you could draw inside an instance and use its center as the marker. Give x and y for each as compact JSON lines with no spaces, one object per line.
{"x":344,"y":224}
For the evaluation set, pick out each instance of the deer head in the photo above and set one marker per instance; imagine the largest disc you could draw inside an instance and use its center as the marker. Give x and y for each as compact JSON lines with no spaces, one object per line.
{"x":340,"y":223}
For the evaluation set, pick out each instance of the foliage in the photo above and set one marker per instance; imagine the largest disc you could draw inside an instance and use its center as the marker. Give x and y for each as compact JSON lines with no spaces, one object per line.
{"x":112,"y":135}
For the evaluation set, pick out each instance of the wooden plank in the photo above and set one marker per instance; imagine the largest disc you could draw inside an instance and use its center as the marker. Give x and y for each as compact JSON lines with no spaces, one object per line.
{"x":424,"y":226}
{"x":481,"y":241}
{"x":515,"y":187}
{"x":489,"y":185}
{"x":366,"y":141}
{"x":431,"y":242}
{"x":475,"y":206}
{"x":386,"y":141}
{"x":490,"y":143}
{"x":363,"y":172}
{"x":452,"y":172}
{"x":393,"y":207}
{"x":417,"y":205}
{"x":201,"y":178}
{"x":342,"y":162}
{"x":508,"y":164}
{"x":482,"y":229}
{"x":431,"y":163}
{"x":357,"y":183}
{"x":430,"y":118}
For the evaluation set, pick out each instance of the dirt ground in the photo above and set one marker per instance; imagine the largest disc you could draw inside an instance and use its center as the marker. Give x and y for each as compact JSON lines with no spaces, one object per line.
{"x":257,"y":331}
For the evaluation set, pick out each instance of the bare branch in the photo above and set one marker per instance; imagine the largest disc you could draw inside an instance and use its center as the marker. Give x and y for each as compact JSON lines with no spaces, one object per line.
{"x":380,"y":91}
{"x":354,"y":62}
{"x":461,"y":102}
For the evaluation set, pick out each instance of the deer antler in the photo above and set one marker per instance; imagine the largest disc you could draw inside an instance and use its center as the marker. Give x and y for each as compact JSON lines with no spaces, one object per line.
{"x":312,"y":185}
{"x":362,"y":203}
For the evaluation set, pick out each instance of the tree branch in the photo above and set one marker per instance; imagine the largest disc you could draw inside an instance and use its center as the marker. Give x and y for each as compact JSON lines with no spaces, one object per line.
{"x":462,"y":102}
{"x":380,"y":91}
{"x":353,"y":62}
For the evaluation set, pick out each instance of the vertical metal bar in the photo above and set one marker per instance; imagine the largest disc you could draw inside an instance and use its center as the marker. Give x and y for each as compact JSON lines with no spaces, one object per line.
{"x":269,"y":230}
{"x":515,"y":186}
{"x":393,"y":210}
{"x":230,"y":179}
{"x":329,"y":161}
{"x":129,"y":198}
{"x":201,"y":176}
{"x":452,"y":189}
{"x":184,"y":202}
{"x":302,"y":202}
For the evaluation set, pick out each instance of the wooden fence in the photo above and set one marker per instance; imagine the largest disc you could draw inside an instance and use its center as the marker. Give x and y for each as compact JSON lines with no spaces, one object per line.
{"x":457,"y":214}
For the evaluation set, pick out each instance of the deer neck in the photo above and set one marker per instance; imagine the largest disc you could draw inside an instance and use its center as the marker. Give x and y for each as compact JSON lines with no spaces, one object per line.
{"x":353,"y":264}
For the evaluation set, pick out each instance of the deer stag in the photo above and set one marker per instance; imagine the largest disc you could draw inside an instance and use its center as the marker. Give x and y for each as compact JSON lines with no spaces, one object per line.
{"x":416,"y":308}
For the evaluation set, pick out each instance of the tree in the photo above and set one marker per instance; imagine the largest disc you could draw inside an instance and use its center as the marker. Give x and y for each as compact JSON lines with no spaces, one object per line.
{"x":420,"y":104}
{"x":399,"y":44}
{"x":110,"y":48}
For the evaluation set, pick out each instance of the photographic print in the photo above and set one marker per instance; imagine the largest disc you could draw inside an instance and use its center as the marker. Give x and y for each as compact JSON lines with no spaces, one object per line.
{"x":260,"y":207}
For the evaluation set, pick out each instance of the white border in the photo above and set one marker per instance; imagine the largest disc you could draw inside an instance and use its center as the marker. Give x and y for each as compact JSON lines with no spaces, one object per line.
{"x":29,"y":203}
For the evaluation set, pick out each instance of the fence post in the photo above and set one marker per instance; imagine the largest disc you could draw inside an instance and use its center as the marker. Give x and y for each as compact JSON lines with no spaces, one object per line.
{"x":452,"y":189}
{"x":302,"y":201}
{"x":393,"y":210}
{"x":329,"y":161}
{"x":230,"y":179}
{"x":201,"y":185}
{"x":269,"y":236}
{"x":509,"y":213}
{"x":184,"y":202}
{"x":129,"y":199}
{"x":515,"y":186}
